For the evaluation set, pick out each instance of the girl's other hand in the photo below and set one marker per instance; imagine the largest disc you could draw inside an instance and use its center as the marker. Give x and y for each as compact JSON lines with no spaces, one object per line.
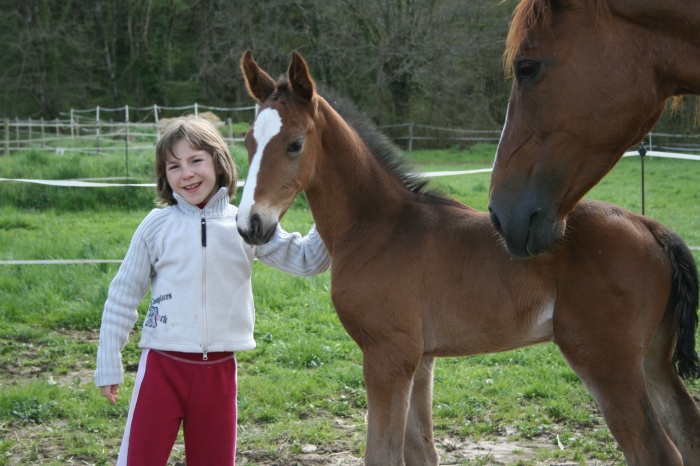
{"x":110,"y":392}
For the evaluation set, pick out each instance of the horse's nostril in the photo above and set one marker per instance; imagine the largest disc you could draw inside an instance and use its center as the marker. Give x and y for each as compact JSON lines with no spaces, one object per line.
{"x":494,"y":221}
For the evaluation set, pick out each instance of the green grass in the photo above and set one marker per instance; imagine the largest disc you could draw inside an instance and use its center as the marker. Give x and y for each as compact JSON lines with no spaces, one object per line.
{"x":46,"y":165}
{"x":303,"y":383}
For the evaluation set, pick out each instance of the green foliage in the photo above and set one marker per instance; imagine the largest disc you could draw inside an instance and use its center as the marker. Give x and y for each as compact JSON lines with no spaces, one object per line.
{"x":382,"y":54}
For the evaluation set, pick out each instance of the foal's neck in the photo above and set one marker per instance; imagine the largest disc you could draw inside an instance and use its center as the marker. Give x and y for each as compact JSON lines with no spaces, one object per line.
{"x":351,"y":187}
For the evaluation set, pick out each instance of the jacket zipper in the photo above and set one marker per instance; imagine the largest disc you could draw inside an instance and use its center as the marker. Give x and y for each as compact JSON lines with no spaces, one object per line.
{"x":204,"y":231}
{"x":205,"y":347}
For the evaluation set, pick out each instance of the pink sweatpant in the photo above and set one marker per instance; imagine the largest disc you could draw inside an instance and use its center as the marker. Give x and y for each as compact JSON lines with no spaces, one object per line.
{"x":177,"y":388}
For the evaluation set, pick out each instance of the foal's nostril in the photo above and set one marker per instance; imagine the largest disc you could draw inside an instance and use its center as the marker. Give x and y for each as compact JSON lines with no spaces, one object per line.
{"x":256,"y":226}
{"x":244,"y":235}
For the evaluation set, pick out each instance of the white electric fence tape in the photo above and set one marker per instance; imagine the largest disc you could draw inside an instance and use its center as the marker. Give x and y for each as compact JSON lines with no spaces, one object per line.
{"x":91,"y":184}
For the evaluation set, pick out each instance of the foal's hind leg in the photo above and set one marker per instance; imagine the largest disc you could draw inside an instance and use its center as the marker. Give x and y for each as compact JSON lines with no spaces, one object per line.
{"x":623,"y":400}
{"x":676,"y":409}
{"x":419,"y":449}
{"x":606,"y":356}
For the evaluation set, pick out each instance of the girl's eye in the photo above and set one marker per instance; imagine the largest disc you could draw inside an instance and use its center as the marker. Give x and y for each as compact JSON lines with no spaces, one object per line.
{"x":172,"y":167}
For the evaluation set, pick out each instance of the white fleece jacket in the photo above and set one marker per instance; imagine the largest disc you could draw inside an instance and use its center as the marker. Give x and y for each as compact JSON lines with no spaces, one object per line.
{"x":199,"y":270}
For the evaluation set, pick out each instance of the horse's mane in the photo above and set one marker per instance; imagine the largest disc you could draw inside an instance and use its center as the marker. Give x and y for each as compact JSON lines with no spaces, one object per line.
{"x":383,"y":149}
{"x":536,"y":14}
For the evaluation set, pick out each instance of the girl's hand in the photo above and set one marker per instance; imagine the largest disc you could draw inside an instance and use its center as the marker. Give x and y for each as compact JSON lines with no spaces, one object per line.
{"x":110,"y":392}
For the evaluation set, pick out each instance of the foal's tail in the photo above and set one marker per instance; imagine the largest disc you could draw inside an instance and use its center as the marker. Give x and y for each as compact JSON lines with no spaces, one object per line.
{"x":684,"y":298}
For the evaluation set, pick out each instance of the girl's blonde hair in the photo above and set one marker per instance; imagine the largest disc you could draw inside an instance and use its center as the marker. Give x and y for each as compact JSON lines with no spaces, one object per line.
{"x":201,"y":135}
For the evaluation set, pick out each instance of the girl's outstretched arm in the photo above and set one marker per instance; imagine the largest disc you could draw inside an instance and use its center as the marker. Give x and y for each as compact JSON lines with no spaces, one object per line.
{"x":295,"y":254}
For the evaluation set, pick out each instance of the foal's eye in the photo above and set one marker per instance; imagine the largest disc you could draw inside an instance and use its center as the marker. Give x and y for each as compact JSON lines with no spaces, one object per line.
{"x":295,"y":147}
{"x":526,"y":69}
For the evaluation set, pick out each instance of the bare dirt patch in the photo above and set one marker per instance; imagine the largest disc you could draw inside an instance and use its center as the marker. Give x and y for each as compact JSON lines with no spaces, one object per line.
{"x":453,"y":451}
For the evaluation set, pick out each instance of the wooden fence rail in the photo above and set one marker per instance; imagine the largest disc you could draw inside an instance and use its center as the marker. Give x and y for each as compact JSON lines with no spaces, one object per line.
{"x":140,"y":127}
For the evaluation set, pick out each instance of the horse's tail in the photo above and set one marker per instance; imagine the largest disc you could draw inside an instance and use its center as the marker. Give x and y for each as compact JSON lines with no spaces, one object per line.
{"x":684,"y":299}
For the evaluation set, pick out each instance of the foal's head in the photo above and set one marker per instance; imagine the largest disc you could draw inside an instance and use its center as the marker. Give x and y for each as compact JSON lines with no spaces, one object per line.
{"x":281,"y":145}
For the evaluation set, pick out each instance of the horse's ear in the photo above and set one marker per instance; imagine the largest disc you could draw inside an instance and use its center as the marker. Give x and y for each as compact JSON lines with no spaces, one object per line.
{"x":260,"y":85}
{"x":299,"y":77}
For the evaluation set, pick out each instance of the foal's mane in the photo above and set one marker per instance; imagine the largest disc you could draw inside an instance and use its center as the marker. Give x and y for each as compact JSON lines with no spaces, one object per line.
{"x":381,"y":147}
{"x":536,"y":14}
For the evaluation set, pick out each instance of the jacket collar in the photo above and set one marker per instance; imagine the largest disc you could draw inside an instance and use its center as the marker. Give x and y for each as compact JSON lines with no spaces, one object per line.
{"x":217,"y":205}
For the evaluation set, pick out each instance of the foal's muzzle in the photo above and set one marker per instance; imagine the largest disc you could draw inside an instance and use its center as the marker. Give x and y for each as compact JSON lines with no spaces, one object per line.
{"x":256,"y":234}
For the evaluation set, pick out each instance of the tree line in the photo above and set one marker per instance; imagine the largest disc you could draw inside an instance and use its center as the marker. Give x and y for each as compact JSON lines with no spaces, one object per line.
{"x":425,"y":61}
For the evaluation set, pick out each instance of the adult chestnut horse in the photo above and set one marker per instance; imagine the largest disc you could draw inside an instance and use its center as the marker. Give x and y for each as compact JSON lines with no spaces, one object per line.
{"x":591,"y":78}
{"x":416,"y":275}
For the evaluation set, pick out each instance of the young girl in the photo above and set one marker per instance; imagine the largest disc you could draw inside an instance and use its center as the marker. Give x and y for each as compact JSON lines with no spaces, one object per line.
{"x":201,"y":310}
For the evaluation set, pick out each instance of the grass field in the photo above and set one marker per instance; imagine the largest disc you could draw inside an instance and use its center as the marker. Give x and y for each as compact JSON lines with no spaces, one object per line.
{"x":303,"y":384}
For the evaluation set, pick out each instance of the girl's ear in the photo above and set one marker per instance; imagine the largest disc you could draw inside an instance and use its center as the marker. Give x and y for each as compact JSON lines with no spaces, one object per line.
{"x":216,"y":160}
{"x":260,"y":85}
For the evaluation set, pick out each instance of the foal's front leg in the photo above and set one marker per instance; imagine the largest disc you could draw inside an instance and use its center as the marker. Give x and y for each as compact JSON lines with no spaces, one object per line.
{"x":388,"y":370}
{"x":419,"y":449}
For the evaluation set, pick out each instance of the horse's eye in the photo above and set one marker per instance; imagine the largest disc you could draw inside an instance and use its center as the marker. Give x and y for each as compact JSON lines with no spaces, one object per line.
{"x":294,"y":147}
{"x":526,"y":69}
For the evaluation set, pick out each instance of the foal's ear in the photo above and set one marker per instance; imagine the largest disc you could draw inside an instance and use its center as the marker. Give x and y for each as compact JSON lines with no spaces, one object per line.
{"x":260,"y":85}
{"x":299,"y":77}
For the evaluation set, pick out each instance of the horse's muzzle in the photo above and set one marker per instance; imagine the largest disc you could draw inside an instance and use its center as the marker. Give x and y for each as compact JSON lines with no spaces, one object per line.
{"x":527,"y":232}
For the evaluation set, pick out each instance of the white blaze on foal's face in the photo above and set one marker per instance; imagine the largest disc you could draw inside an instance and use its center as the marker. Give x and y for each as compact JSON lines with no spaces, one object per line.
{"x":267,"y":125}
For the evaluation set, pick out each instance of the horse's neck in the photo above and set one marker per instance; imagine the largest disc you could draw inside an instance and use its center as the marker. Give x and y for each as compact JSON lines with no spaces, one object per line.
{"x":672,"y":27}
{"x":350,"y":186}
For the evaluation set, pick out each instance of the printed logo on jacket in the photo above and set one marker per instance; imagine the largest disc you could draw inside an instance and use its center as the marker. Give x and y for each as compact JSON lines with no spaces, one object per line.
{"x":153,"y":316}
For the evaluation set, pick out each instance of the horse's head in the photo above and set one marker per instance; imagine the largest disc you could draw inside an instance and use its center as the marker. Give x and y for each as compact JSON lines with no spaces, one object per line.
{"x":280,"y":146}
{"x":583,"y":93}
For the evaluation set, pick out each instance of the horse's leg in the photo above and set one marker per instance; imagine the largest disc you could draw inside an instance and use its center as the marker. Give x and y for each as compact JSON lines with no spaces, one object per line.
{"x":627,"y":408}
{"x":606,"y":356}
{"x":419,"y":449}
{"x":676,"y":409}
{"x":388,"y":369}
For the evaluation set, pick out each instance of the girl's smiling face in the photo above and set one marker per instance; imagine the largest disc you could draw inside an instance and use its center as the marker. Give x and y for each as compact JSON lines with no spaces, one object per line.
{"x":191,"y":173}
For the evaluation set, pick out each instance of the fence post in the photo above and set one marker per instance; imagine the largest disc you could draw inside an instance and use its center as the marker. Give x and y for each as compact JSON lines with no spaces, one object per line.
{"x":43,"y":134}
{"x":126,"y":142}
{"x":642,"y":152}
{"x":196,"y":109}
{"x":230,"y":129}
{"x":72,"y":129}
{"x":7,"y":136}
{"x":410,"y":136}
{"x":97,"y":129}
{"x":155,"y":113}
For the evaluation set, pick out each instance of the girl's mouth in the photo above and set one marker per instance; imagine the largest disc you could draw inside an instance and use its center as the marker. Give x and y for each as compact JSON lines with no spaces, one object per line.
{"x":192,"y":186}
